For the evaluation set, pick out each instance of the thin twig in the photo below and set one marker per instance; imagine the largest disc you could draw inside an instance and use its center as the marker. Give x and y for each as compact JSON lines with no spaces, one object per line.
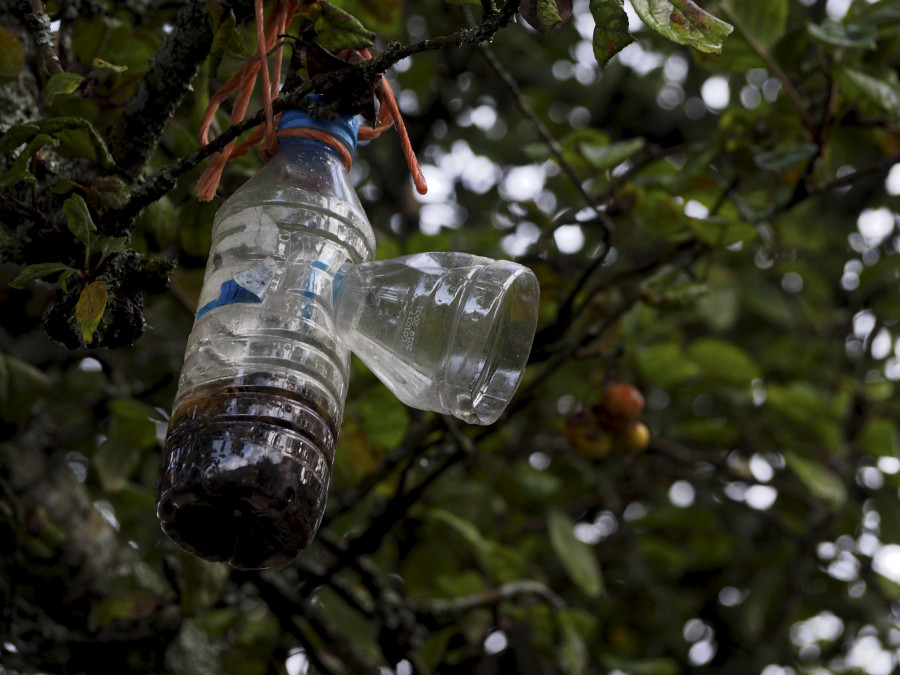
{"x":38,"y":24}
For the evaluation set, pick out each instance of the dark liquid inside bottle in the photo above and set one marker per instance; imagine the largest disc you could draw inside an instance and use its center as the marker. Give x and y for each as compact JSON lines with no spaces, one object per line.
{"x":245,"y":471}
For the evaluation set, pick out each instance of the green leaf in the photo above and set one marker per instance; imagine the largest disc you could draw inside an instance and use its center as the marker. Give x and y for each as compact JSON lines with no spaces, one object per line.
{"x":880,"y":438}
{"x":384,"y":418}
{"x":18,"y":171}
{"x":611,"y":33}
{"x":603,"y":157}
{"x":12,"y":55}
{"x":839,"y":35}
{"x":666,"y":364}
{"x":131,"y":432}
{"x":577,"y":557}
{"x":545,"y":15}
{"x":818,"y":478}
{"x":79,"y":137}
{"x":21,"y":385}
{"x":64,"y":186}
{"x":16,"y":175}
{"x":641,"y":666}
{"x":100,"y":64}
{"x":111,"y":245}
{"x":7,"y":238}
{"x":882,"y":93}
{"x":17,"y":135}
{"x":467,"y":530}
{"x":79,"y":219}
{"x":765,"y":21}
{"x":131,"y":605}
{"x":685,"y":23}
{"x":90,"y":307}
{"x":337,"y":29}
{"x":782,"y":159}
{"x":32,"y":272}
{"x":223,"y":39}
{"x":573,"y":652}
{"x":718,"y":232}
{"x":60,"y":84}
{"x":64,"y":277}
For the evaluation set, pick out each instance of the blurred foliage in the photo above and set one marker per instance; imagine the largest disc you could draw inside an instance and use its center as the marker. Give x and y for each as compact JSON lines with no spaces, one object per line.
{"x":717,"y":230}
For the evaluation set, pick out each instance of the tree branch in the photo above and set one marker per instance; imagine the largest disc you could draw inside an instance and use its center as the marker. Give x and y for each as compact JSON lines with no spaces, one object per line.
{"x":164,"y":180}
{"x":168,"y":79}
{"x":38,"y":25}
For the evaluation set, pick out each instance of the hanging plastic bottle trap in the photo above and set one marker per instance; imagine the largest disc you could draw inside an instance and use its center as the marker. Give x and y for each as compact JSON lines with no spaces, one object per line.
{"x":291,"y":288}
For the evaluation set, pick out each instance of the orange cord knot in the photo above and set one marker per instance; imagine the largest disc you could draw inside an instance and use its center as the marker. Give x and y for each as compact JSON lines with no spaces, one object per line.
{"x":244,"y":81}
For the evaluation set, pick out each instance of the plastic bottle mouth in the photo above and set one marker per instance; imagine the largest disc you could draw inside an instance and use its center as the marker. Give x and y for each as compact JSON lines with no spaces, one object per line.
{"x":490,"y":342}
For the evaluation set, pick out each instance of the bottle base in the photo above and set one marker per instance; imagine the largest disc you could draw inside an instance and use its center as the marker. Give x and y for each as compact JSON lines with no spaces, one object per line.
{"x":245,"y":473}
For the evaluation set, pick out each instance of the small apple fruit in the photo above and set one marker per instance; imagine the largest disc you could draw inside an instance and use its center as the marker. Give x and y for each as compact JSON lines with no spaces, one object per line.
{"x":585,"y":436}
{"x":620,"y":404}
{"x":633,"y":438}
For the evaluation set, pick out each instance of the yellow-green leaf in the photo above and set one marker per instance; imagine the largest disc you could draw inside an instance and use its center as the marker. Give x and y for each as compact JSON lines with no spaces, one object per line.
{"x":62,"y":83}
{"x":90,"y":307}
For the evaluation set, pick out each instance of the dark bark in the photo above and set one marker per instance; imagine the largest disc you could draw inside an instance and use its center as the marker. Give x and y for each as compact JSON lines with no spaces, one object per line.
{"x":168,"y":79}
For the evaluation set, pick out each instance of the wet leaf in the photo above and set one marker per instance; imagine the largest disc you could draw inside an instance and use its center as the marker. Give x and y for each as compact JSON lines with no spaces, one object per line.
{"x":611,"y":33}
{"x":577,"y":557}
{"x":684,"y":22}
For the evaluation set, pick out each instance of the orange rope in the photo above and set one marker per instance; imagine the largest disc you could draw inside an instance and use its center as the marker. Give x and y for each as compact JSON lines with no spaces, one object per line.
{"x":243,"y":82}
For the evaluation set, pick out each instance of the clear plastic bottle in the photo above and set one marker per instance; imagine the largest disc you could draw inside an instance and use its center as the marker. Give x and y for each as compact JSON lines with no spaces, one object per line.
{"x":251,"y":442}
{"x":447,"y":332}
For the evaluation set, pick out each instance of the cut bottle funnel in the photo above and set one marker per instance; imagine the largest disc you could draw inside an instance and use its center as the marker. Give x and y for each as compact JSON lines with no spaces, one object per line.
{"x":446,"y":332}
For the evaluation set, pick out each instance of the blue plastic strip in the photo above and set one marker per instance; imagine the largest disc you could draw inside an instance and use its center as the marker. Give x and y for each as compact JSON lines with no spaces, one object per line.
{"x":230,"y":294}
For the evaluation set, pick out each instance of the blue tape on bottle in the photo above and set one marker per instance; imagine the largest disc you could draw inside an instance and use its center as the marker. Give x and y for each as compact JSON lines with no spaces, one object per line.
{"x":247,"y":286}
